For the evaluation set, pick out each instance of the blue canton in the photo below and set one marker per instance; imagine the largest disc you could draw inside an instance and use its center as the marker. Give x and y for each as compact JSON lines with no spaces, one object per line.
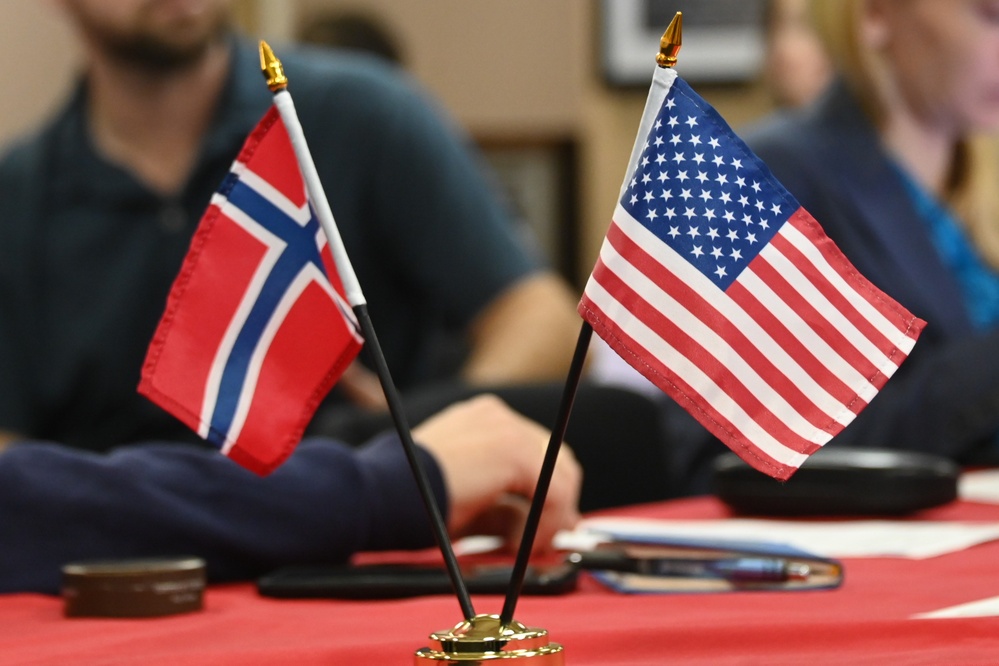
{"x":701,"y":191}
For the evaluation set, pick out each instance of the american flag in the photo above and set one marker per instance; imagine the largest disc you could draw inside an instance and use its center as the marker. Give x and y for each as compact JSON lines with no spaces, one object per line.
{"x":256,"y":328}
{"x":717,"y":286}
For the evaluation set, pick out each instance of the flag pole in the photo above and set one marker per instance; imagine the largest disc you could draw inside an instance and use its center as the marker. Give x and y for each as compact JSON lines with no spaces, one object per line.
{"x":545,"y":476}
{"x":669,"y":46}
{"x":278,"y":84}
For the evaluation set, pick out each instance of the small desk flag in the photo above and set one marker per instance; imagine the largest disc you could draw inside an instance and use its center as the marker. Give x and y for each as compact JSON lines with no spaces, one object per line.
{"x":717,"y":286}
{"x":256,"y":329}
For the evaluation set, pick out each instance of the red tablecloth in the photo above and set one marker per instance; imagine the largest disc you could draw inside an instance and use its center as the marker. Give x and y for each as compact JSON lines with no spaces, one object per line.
{"x":866,"y":621}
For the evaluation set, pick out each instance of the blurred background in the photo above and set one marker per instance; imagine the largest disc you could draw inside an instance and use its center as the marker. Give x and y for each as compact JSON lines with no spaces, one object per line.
{"x":551,"y":91}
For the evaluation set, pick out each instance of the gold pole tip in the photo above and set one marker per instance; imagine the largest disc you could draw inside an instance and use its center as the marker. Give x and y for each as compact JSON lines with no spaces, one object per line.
{"x":271,"y":68}
{"x":671,"y":41}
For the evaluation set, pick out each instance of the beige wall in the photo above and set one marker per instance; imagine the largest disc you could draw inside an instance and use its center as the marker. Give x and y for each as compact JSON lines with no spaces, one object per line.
{"x":514,"y":66}
{"x":522,"y":69}
{"x":39,"y":53}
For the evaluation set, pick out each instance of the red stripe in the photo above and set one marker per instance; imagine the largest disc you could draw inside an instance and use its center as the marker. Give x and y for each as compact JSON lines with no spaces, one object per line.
{"x":723,"y":327}
{"x":836,"y":298}
{"x":791,"y":344}
{"x":812,"y":317}
{"x":657,"y":373}
{"x":899,"y":317}
{"x":701,"y":357}
{"x":888,"y":350}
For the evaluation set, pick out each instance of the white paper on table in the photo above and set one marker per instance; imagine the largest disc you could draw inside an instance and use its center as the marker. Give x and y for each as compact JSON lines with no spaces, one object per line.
{"x":980,"y":486}
{"x":981,"y":608}
{"x":854,"y":538}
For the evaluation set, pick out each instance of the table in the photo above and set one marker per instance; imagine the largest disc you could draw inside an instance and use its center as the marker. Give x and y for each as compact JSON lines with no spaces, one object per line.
{"x":866,"y":621}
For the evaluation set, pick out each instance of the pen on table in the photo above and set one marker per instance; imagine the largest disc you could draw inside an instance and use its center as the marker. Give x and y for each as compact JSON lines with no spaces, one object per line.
{"x":742,"y":569}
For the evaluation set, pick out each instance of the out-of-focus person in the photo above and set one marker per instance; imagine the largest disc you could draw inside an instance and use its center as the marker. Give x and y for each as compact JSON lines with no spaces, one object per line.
{"x":889,"y":162}
{"x":97,"y":210}
{"x":99,"y":207}
{"x":325,"y":503}
{"x":796,"y":65}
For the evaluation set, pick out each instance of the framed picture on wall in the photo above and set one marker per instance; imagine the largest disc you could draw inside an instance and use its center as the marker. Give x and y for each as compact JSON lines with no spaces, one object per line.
{"x":723,"y":40}
{"x":537,"y":177}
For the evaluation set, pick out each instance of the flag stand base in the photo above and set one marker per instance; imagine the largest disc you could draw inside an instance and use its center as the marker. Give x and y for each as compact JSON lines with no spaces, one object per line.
{"x":483,"y":639}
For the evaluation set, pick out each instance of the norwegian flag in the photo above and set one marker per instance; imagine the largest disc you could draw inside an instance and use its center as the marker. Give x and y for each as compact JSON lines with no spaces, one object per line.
{"x":256,"y":330}
{"x":717,"y":286}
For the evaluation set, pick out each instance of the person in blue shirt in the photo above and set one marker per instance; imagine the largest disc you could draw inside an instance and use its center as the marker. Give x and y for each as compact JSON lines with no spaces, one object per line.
{"x":325,"y":503}
{"x":96,"y":213}
{"x":99,"y":207}
{"x":890,"y":163}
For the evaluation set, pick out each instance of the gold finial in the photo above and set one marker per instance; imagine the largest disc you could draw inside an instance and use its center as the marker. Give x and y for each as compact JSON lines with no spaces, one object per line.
{"x":671,"y":42}
{"x":272,"y":69}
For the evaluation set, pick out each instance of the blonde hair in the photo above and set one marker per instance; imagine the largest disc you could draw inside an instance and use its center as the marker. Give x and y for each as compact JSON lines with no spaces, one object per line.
{"x":972,"y":190}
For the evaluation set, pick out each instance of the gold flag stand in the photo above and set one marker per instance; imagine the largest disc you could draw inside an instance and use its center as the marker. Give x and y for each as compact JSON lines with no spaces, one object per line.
{"x":486,"y":638}
{"x":499,"y":637}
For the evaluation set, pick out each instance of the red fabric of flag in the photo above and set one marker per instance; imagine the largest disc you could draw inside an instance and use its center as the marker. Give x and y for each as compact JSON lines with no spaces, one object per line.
{"x":256,"y":329}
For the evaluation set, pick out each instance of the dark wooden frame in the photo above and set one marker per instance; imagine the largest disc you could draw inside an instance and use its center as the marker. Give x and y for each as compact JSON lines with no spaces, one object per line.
{"x":538,"y":175}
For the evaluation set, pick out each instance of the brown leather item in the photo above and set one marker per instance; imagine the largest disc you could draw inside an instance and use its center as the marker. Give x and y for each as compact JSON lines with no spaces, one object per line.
{"x":133,"y":588}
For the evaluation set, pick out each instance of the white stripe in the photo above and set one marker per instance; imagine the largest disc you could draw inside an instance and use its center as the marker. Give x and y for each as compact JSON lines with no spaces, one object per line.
{"x":806,"y":335}
{"x":862,"y":305}
{"x":345,"y":310}
{"x":341,"y":304}
{"x":799,"y":328}
{"x":691,"y":374}
{"x":719,"y":347}
{"x":275,"y":246}
{"x":756,"y":334}
{"x":309,"y":274}
{"x":801,"y":284}
{"x":300,"y":214}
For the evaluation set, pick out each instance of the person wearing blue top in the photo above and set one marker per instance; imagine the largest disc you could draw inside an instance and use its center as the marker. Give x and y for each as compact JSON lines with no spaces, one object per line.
{"x":96,"y":213}
{"x":100,"y":205}
{"x":888,"y":163}
{"x":325,"y":503}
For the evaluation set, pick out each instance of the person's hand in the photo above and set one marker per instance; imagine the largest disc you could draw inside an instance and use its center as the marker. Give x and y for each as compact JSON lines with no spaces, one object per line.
{"x":490,"y":457}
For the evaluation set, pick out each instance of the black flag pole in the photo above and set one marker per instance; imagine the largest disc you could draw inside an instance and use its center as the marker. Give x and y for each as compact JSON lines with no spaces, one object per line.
{"x":278,"y":83}
{"x":669,"y":46}
{"x":545,"y":476}
{"x":409,"y":446}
